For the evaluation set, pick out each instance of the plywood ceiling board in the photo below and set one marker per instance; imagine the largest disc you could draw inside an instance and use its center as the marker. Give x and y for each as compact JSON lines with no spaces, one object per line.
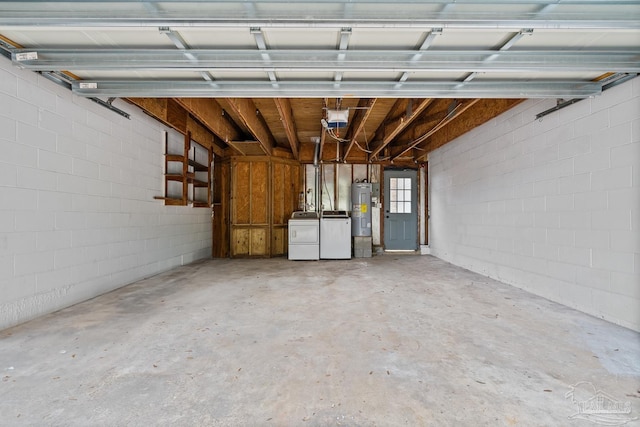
{"x":307,"y":113}
{"x":270,"y":113}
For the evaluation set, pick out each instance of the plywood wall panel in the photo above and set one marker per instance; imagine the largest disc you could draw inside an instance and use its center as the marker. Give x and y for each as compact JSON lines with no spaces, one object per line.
{"x":259,"y":241}
{"x":241,"y":193}
{"x":289,"y":193}
{"x":268,"y":187}
{"x":240,"y":238}
{"x":259,"y":193}
{"x":279,"y":236}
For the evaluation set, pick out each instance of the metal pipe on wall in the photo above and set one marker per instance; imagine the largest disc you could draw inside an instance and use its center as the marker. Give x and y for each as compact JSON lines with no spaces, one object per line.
{"x":316,"y":165}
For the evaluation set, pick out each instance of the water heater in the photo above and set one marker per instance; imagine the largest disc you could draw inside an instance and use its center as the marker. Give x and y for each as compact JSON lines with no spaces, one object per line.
{"x":361,"y":209}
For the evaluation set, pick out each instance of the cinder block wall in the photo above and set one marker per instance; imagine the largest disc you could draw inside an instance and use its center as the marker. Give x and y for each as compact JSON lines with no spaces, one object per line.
{"x":552,"y":205}
{"x":77,"y":215}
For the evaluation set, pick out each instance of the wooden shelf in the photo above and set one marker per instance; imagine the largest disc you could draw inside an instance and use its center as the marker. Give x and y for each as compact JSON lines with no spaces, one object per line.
{"x":199,"y":184}
{"x":187,"y":170}
{"x":171,"y":201}
{"x":198,"y":167}
{"x":174,"y":177}
{"x":191,"y":178}
{"x":174,"y":158}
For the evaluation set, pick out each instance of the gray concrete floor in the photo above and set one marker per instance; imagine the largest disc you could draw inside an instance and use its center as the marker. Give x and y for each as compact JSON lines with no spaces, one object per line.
{"x":392,"y":340}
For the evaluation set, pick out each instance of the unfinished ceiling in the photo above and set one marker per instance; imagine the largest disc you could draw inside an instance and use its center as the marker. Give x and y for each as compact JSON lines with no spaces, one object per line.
{"x":262,"y":77}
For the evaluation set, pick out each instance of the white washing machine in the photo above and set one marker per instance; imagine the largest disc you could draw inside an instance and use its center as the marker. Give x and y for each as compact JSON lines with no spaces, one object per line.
{"x":304,"y":236}
{"x":335,"y":235}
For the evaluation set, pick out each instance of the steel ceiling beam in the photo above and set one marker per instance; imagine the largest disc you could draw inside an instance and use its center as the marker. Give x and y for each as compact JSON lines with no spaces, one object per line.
{"x":261,"y":42}
{"x":442,"y":2}
{"x":321,"y":89}
{"x":506,"y":46}
{"x":183,"y":46}
{"x":605,"y":21}
{"x":326,"y":60}
{"x":360,"y":13}
{"x":345,"y":36}
{"x":426,"y":44}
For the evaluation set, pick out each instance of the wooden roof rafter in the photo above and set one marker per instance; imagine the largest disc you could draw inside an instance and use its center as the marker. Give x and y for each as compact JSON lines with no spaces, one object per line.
{"x":458,"y":109}
{"x":393,"y":129}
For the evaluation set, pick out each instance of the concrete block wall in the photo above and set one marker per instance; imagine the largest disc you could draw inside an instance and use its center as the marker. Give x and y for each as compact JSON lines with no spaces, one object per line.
{"x":77,"y":214}
{"x":552,"y":205}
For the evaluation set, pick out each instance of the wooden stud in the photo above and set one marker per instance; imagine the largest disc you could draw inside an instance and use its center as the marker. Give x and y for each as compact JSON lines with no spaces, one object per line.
{"x":185,"y":168}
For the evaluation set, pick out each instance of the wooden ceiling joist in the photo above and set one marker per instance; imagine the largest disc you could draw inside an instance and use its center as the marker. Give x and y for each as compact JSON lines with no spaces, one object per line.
{"x":459,"y":109}
{"x":393,"y":129}
{"x":171,"y":113}
{"x":483,"y":111}
{"x":286,"y":115}
{"x":211,"y":114}
{"x":360,"y":119}
{"x":246,"y":109}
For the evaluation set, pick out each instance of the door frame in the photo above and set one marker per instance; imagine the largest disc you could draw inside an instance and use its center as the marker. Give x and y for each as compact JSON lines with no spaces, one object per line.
{"x":415,"y":204}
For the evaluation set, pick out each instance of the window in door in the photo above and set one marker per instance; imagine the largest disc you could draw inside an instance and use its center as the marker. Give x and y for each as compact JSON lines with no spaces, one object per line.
{"x":400,"y":195}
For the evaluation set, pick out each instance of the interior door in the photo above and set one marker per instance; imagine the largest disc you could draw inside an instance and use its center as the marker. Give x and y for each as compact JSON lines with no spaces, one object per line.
{"x":400,"y":209}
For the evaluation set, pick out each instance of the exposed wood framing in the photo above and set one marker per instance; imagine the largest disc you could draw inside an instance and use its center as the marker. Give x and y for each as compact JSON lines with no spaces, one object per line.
{"x":211,"y":114}
{"x":461,"y":108}
{"x":358,"y":122}
{"x":177,"y":116}
{"x":171,"y":113}
{"x":393,"y":129}
{"x":185,"y":168}
{"x":286,"y":115}
{"x":248,"y":113}
{"x":248,"y":148}
{"x":200,"y":133}
{"x":484,"y":110}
